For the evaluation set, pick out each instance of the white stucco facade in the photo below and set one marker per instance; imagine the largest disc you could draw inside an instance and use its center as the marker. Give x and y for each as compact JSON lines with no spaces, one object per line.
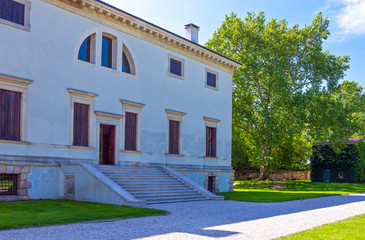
{"x":47,"y":55}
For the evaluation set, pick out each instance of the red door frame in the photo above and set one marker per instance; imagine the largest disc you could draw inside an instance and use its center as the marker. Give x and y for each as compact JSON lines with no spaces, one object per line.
{"x":107,"y":144}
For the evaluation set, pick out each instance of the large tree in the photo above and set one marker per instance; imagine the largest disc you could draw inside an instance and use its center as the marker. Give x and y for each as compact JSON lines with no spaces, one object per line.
{"x":283,"y":90}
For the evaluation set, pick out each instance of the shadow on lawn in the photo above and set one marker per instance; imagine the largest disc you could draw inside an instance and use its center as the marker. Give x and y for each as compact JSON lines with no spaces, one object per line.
{"x":190,"y":217}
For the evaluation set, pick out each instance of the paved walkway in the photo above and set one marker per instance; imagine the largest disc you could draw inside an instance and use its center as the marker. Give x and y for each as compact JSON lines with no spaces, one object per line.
{"x":210,"y":220}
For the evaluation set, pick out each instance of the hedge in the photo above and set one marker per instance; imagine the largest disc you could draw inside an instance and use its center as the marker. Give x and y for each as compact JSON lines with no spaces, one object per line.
{"x":350,"y":160}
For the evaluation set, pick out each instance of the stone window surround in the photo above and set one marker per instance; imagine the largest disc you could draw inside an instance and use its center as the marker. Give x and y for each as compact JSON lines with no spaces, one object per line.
{"x":21,"y":85}
{"x":182,"y":67}
{"x":23,"y":183}
{"x":175,"y":116}
{"x":87,"y":98}
{"x":118,"y":45}
{"x":216,"y":79}
{"x":210,"y":122}
{"x":26,"y":26}
{"x":133,"y":107}
{"x":109,"y":119}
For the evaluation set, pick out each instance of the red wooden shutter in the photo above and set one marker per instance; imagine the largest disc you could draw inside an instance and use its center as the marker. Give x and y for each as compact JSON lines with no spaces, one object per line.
{"x":207,"y":141}
{"x":81,"y":125}
{"x":174,"y":136}
{"x":211,"y":142}
{"x":214,"y":142}
{"x":10,"y":110}
{"x":130,"y":132}
{"x":112,"y":145}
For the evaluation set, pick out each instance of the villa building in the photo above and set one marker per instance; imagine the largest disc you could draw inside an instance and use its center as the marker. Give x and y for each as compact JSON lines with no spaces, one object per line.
{"x":99,"y":105}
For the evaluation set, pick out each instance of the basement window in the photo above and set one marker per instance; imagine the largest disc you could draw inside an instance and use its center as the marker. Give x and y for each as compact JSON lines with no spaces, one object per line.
{"x":8,"y":184}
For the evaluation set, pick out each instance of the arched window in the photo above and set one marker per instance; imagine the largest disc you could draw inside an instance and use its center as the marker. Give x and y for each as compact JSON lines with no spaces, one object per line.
{"x":87,"y":49}
{"x":127,"y":62}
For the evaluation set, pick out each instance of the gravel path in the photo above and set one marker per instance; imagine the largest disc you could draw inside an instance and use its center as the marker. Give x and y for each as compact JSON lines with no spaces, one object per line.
{"x":210,"y":220}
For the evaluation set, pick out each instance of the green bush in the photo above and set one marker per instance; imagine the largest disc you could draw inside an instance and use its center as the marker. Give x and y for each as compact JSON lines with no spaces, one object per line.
{"x":349,"y":159}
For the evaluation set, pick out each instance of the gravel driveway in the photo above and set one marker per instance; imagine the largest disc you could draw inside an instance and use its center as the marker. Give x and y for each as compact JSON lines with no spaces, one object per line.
{"x":210,"y":220}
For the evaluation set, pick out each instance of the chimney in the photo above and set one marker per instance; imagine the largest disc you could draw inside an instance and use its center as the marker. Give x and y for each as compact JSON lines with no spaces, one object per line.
{"x":192,"y":32}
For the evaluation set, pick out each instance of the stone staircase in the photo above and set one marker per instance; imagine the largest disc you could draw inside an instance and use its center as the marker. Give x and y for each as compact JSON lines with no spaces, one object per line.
{"x":151,"y":184}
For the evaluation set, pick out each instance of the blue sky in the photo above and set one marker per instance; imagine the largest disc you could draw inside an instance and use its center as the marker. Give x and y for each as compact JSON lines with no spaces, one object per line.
{"x":347,"y":20}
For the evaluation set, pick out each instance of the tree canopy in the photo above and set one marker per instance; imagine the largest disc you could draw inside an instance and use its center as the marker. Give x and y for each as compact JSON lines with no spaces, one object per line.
{"x":284,"y":92}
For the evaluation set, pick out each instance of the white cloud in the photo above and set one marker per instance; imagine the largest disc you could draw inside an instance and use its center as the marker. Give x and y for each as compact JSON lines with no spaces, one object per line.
{"x":349,"y":16}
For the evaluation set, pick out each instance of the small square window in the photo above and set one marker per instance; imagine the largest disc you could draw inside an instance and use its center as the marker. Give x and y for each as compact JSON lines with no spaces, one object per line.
{"x":211,"y":79}
{"x":176,"y":67}
{"x":15,"y":13}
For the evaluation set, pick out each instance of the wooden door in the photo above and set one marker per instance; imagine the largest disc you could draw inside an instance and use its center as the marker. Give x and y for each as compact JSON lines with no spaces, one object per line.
{"x":107,"y":144}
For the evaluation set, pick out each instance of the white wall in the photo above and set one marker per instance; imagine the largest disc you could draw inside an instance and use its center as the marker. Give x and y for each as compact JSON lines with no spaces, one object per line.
{"x":46,"y":55}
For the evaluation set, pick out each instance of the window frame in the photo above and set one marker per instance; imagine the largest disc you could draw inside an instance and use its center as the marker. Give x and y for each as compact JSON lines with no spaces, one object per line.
{"x":113,"y":50}
{"x":216,"y":79}
{"x":78,"y":96}
{"x":178,"y":117}
{"x":212,"y":123}
{"x":182,"y":67}
{"x":21,"y":85}
{"x":132,"y":107}
{"x":26,"y":26}
{"x":130,"y":59}
{"x":92,"y":49}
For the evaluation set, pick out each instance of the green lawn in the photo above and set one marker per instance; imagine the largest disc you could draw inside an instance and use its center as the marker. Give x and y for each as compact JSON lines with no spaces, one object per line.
{"x":49,"y":212}
{"x":260,"y":191}
{"x":351,"y":228}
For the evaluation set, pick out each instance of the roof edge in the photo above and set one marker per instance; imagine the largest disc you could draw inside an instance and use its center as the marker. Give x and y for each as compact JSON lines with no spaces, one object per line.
{"x":122,"y":18}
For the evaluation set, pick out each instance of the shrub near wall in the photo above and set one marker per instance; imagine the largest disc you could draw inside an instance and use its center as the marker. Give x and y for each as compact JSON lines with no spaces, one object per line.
{"x":348,"y":160}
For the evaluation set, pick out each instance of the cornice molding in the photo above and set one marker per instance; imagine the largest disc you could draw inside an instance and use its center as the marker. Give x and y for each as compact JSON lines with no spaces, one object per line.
{"x":15,"y":80}
{"x":130,"y":104}
{"x":211,"y":121}
{"x":174,"y":114}
{"x":75,"y":92}
{"x":120,"y":20}
{"x":107,"y":115}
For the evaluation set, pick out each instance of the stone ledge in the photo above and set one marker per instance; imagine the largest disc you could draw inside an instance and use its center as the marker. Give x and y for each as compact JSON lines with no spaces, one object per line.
{"x":13,"y":198}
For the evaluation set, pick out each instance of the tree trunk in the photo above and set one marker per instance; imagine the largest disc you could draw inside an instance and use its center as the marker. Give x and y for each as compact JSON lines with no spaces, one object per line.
{"x":264,"y":172}
{"x":265,"y":167}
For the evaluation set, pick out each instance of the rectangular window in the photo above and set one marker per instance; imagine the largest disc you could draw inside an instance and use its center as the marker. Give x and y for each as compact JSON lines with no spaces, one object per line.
{"x":107,"y":52}
{"x":175,"y":67}
{"x":211,"y":80}
{"x":174,"y":137}
{"x":12,"y":11}
{"x":211,"y":142}
{"x":10,"y":112}
{"x":8,"y":184}
{"x":81,"y":125}
{"x":130,"y":139}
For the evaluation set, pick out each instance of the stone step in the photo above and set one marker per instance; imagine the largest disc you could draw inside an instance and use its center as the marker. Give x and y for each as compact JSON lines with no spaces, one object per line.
{"x":163,"y":195}
{"x":177,"y":200}
{"x":135,"y":174}
{"x":124,"y":169}
{"x":151,"y":184}
{"x":159,"y":190}
{"x":146,"y":187}
{"x":123,"y":177}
